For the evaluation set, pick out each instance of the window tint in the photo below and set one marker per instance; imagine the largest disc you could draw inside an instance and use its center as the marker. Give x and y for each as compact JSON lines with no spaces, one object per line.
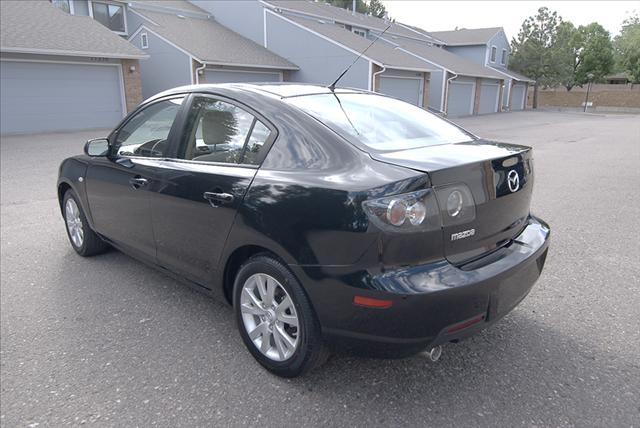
{"x":221,"y":132}
{"x":109,"y":15}
{"x":259,"y":136}
{"x":62,"y":4}
{"x":378,"y":122}
{"x":147,"y":132}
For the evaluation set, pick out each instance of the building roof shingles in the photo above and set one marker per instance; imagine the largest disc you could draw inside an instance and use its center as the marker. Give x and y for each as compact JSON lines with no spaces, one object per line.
{"x":211,"y":42}
{"x":40,"y":27}
{"x":464,"y":36}
{"x":321,"y":9}
{"x":379,"y":52}
{"x":448,"y":60}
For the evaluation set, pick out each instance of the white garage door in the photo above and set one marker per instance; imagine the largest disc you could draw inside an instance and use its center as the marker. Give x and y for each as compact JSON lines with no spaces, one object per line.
{"x":460,"y":102}
{"x":518,"y":97}
{"x":488,"y":98}
{"x":406,"y":89}
{"x":42,"y":96}
{"x":231,"y":76}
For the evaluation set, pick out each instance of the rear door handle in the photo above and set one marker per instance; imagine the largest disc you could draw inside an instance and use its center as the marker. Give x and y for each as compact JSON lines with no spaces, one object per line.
{"x":138,"y":182}
{"x":217,"y":199}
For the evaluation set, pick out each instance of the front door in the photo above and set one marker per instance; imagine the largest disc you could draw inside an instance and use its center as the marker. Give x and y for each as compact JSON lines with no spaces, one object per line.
{"x":195,"y":201}
{"x":118,"y":186}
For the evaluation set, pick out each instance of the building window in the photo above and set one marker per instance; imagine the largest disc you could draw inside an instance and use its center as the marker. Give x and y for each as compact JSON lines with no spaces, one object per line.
{"x":503,"y":60}
{"x":65,"y":5}
{"x":494,"y":51}
{"x":359,"y":32}
{"x":144,"y":40}
{"x":110,"y":15}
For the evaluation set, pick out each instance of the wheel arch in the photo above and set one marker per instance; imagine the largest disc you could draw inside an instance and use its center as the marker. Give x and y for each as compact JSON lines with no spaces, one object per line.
{"x":235,"y":260}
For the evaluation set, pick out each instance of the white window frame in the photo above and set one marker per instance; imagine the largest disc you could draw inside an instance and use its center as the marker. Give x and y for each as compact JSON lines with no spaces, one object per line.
{"x":144,"y":40}
{"x":124,"y":13}
{"x":503,"y":58}
{"x":493,"y":55}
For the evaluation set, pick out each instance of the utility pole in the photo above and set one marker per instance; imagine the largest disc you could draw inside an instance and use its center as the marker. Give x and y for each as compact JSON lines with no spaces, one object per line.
{"x":353,"y":8}
{"x":586,"y":100}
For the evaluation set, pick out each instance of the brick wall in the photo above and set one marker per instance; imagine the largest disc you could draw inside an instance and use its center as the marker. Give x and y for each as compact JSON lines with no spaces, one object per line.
{"x":601,"y":95}
{"x":132,"y":83}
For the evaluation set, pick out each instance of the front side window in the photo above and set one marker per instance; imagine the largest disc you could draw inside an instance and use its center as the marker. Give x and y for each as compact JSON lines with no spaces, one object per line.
{"x":380,"y":123}
{"x":493,"y":53}
{"x":109,"y":15}
{"x":221,"y":132}
{"x":146,"y":133}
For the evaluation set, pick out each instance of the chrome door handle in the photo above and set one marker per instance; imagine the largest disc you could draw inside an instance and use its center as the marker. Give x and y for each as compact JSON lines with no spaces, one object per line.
{"x":217,"y":199}
{"x":138,"y":182}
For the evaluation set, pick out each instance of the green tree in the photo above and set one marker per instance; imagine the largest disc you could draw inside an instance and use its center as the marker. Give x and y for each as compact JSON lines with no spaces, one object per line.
{"x":627,"y":48}
{"x":532,"y":52}
{"x":376,"y":8}
{"x":373,"y":7}
{"x":566,"y":54}
{"x":361,"y":6}
{"x":596,"y":53}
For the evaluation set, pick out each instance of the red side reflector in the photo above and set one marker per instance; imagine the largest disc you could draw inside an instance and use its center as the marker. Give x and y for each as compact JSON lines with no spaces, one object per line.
{"x":465,"y":324}
{"x":372,"y":303}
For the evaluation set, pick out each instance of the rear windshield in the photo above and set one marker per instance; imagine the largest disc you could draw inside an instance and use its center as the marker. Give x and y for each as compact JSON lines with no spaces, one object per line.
{"x":378,"y":122}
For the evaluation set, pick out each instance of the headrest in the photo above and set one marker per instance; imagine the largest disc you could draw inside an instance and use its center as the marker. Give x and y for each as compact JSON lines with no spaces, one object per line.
{"x":218,"y":126}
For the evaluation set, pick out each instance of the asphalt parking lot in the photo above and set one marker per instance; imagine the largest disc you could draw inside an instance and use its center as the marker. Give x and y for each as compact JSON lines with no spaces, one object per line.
{"x":110,"y":340}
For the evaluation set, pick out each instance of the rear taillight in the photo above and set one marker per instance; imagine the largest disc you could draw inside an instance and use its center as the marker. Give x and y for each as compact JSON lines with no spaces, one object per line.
{"x":408,"y":212}
{"x":456,"y":204}
{"x":423,"y":210}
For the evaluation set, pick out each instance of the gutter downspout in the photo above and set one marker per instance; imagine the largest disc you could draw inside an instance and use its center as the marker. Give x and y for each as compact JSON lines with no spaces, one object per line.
{"x":198,"y":70}
{"x":446,"y":94}
{"x":373,"y":84}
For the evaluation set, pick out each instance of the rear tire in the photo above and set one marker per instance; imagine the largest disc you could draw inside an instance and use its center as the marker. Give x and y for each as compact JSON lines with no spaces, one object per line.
{"x":275,"y":318}
{"x":83,"y":240}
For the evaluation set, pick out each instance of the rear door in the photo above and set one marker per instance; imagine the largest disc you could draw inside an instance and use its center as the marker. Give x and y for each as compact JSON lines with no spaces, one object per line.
{"x":195,"y":201}
{"x":118,"y":185}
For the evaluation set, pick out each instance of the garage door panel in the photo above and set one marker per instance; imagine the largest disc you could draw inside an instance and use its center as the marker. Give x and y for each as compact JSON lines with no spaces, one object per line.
{"x":488,"y":98}
{"x":517,"y":97}
{"x":405,"y":89}
{"x":231,"y":76}
{"x":41,"y":97}
{"x":460,"y":102}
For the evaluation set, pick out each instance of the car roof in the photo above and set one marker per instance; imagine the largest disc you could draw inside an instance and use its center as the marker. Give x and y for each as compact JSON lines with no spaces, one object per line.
{"x":277,"y":90}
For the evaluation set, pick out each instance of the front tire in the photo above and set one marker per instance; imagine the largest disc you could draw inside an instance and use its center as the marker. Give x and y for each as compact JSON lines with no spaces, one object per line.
{"x":83,"y":240}
{"x":275,"y":318}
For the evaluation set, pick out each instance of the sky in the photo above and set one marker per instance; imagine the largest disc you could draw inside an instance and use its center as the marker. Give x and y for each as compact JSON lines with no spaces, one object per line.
{"x":447,"y":15}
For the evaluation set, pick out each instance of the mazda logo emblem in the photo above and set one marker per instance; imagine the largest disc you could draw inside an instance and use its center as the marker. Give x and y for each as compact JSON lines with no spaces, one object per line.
{"x":513,"y":180}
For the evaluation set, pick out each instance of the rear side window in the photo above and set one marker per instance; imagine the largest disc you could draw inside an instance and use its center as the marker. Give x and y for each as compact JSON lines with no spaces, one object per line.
{"x":221,"y":132}
{"x":380,"y":123}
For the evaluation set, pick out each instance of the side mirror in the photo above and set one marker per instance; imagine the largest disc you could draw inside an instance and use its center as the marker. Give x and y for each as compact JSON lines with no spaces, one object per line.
{"x":97,"y":147}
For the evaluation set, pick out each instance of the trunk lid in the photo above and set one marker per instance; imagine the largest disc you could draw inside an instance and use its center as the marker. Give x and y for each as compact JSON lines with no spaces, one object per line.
{"x":500,"y":178}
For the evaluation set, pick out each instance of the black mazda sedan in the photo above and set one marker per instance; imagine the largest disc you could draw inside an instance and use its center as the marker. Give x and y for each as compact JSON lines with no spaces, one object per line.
{"x":329,"y":219}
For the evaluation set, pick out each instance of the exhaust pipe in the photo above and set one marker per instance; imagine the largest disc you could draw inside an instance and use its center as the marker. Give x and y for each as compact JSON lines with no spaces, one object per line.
{"x":434,"y":353}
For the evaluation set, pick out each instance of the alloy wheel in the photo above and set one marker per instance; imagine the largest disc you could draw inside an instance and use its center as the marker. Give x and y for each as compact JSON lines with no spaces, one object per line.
{"x":269,"y":317}
{"x":74,"y":223}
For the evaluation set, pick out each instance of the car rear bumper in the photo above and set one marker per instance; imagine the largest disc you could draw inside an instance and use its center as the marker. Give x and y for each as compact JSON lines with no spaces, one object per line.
{"x":430,"y":304}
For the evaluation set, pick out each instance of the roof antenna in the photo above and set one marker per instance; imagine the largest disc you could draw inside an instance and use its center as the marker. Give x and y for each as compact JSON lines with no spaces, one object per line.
{"x":332,"y":87}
